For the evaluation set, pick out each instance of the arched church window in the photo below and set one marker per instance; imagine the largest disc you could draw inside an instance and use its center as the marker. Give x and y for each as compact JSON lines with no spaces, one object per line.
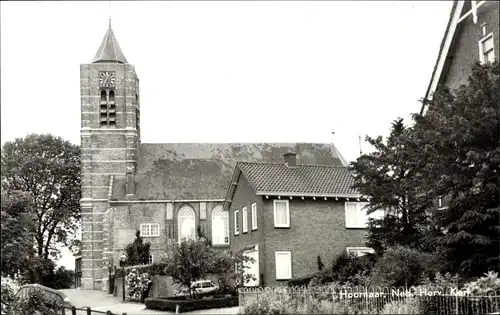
{"x":186,"y":223}
{"x":220,"y":226}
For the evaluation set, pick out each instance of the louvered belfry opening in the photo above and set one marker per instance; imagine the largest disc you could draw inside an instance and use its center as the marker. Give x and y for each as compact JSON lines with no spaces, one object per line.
{"x":107,"y":108}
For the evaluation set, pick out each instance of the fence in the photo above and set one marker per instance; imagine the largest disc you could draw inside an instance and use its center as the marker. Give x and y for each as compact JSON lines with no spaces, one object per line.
{"x":369,"y":300}
{"x":58,"y":297}
{"x":84,"y":311}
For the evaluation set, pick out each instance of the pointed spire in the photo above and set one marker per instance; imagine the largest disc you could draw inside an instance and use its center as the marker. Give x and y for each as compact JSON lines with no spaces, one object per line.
{"x":109,"y":51}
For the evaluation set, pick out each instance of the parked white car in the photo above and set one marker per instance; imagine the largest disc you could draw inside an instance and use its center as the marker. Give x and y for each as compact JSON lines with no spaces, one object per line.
{"x":204,"y":286}
{"x":200,"y":287}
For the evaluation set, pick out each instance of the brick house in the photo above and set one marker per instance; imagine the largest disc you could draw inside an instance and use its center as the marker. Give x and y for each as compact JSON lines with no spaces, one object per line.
{"x":286,"y":214}
{"x":165,"y":190}
{"x":472,"y":34}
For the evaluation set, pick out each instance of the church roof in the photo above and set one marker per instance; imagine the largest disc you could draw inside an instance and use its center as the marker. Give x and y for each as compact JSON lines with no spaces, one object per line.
{"x":300,"y":180}
{"x":109,"y":51}
{"x":174,"y":171}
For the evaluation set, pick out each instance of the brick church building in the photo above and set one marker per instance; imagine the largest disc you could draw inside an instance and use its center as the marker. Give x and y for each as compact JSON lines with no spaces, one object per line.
{"x":165,"y":190}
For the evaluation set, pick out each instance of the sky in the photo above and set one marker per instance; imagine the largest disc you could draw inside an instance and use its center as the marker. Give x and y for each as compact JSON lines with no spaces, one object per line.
{"x":226,"y":71}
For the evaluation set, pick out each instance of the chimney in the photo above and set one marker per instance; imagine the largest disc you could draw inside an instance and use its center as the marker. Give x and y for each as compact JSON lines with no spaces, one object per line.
{"x":290,"y":159}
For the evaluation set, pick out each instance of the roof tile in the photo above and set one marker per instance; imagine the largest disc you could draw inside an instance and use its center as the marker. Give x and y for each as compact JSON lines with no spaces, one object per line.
{"x":307,"y":180}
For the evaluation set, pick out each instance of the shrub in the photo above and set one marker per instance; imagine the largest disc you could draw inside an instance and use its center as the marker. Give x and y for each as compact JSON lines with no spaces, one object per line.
{"x":485,"y":285}
{"x":10,"y":302}
{"x":400,"y":266}
{"x":36,"y":304}
{"x":137,"y":251}
{"x":347,"y":268}
{"x":137,"y":285}
{"x":186,"y":305}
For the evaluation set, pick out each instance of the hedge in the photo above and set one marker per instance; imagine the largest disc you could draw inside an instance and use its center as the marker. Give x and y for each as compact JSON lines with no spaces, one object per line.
{"x":187,"y":305}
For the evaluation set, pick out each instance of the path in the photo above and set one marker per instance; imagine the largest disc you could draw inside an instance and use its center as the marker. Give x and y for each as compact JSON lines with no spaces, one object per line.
{"x":101,"y":301}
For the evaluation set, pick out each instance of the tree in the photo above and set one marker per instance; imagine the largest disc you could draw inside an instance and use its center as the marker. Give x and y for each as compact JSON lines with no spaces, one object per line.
{"x":48,"y":168}
{"x":459,"y":140}
{"x":18,"y":231}
{"x":387,"y":176}
{"x":137,"y":251}
{"x":59,"y":278}
{"x":191,"y":260}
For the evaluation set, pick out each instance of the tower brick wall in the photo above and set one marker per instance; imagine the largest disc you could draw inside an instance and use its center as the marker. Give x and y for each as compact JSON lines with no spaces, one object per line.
{"x":107,"y":150}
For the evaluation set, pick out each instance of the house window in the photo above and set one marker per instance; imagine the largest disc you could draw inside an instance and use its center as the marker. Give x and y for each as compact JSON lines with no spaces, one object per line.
{"x":186,"y":223}
{"x":360,"y":251}
{"x":203,"y":210}
{"x":236,"y":222}
{"x":356,"y":214}
{"x":486,"y":51}
{"x":281,"y":213}
{"x":150,"y":260}
{"x":150,"y":229}
{"x":283,"y":265}
{"x":220,"y":226}
{"x":254,"y":216}
{"x":244,"y":214}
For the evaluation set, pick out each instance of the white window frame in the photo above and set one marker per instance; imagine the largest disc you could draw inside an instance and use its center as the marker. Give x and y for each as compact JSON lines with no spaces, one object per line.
{"x":283,"y":253}
{"x":284,"y":225}
{"x":236,"y":221}
{"x":254,"y":216}
{"x":151,"y":259}
{"x":481,"y":52}
{"x":360,"y":251}
{"x":361,"y":209}
{"x":149,"y":229}
{"x":244,"y":215}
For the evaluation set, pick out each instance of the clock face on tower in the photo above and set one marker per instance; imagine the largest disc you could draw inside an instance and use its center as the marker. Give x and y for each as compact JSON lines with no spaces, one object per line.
{"x":107,"y":79}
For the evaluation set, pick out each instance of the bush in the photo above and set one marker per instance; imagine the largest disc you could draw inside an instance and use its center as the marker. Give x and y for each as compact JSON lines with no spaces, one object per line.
{"x":400,"y":266}
{"x":10,"y":302}
{"x":347,"y":268}
{"x":137,"y":285}
{"x":488,"y":284}
{"x":186,"y":305}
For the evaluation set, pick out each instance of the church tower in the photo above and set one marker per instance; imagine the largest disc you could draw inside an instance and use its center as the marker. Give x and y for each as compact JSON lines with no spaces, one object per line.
{"x":110,"y":138}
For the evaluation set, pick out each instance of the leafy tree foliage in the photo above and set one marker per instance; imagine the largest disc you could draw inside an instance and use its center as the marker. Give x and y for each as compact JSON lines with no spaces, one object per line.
{"x":191,"y":260}
{"x":459,"y":140}
{"x":48,"y":168}
{"x":137,"y":251}
{"x":59,"y":278}
{"x":387,"y":177}
{"x":18,"y":230}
